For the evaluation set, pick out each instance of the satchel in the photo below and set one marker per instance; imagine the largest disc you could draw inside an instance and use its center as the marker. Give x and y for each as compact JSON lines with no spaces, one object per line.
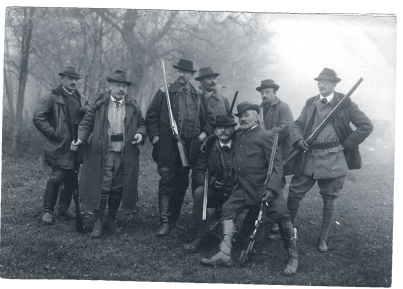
{"x":353,"y":158}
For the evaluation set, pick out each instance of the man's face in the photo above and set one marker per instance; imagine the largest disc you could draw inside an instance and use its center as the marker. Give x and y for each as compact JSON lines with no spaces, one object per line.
{"x":224,"y":132}
{"x":268,"y":94}
{"x":183,"y":76}
{"x":208,"y":83}
{"x":69,"y":82}
{"x":118,"y":90}
{"x":248,"y":119}
{"x":326,"y":87}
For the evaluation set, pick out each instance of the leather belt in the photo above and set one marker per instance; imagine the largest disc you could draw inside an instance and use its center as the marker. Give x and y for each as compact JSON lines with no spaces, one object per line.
{"x":326,"y":144}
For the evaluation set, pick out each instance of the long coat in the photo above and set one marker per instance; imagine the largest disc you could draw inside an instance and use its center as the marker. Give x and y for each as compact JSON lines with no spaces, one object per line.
{"x":349,"y":112}
{"x":50,"y":118}
{"x":277,"y":117}
{"x":157,"y":118}
{"x":96,"y":122}
{"x":251,"y":162}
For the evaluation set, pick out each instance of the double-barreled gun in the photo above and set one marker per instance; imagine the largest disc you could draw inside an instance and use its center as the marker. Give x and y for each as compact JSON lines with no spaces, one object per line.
{"x":259,"y":223}
{"x":174,"y":128}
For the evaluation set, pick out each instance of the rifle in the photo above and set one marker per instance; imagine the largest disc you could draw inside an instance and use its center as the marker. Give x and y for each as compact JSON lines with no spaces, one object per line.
{"x":79,"y":218}
{"x":174,"y":128}
{"x":312,"y":137}
{"x":259,"y":223}
{"x":233,"y":103}
{"x":206,"y":180}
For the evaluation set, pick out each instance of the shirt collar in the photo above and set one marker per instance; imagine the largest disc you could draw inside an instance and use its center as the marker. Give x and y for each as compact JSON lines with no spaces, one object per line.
{"x":329,"y":97}
{"x":228,"y":144}
{"x":120,"y":101}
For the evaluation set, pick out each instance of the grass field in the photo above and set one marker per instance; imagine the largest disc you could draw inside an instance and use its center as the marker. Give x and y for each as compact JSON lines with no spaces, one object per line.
{"x":360,"y":240}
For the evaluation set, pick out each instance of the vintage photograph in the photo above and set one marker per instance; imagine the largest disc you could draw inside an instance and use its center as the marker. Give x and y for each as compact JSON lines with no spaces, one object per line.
{"x":198,"y":146}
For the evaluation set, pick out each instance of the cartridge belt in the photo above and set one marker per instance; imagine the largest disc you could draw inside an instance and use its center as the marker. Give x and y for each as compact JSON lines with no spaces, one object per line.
{"x":117,"y":137}
{"x":325,"y":144}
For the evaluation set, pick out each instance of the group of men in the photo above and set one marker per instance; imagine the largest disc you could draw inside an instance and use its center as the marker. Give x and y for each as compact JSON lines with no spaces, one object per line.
{"x":112,"y":127}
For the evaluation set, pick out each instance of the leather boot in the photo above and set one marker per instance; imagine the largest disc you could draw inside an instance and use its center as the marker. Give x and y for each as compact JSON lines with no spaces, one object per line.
{"x":247,"y":228}
{"x":113,"y":207}
{"x":165,"y":215}
{"x":50,"y":198}
{"x":224,"y":256}
{"x":99,"y":214}
{"x":47,"y":219}
{"x":201,"y":240}
{"x":65,"y":197}
{"x":273,"y":231}
{"x":289,"y":235}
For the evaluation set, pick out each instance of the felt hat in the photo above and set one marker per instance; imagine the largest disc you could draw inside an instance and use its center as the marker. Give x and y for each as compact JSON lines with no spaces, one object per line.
{"x":70,"y":71}
{"x":267,"y":83}
{"x":119,"y":76}
{"x":185,"y":64}
{"x":206,"y":72}
{"x":244,"y":106}
{"x":223,"y":120}
{"x":328,"y":74}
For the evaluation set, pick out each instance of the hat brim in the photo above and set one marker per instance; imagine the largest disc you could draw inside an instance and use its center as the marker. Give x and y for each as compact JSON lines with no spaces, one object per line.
{"x":65,"y":74}
{"x":275,"y":86}
{"x":224,"y":124}
{"x":337,"y":80}
{"x":117,"y":80}
{"x":178,"y":67}
{"x":207,"y":75}
{"x":255,"y":107}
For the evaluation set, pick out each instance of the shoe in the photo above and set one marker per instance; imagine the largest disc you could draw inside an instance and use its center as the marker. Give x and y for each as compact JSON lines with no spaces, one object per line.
{"x":289,"y":236}
{"x":112,"y":226}
{"x":67,"y":214}
{"x":97,"y":231}
{"x":47,"y":219}
{"x":196,"y":245}
{"x":322,"y":246}
{"x":218,"y":259}
{"x":164,"y":230}
{"x":274,"y":237}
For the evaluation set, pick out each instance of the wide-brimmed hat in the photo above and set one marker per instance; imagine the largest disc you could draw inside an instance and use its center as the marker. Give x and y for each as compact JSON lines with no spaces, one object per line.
{"x":119,"y":76}
{"x":70,"y":71}
{"x":267,"y":83}
{"x":206,"y":72}
{"x":185,"y":65}
{"x":328,"y":74}
{"x":223,"y":120}
{"x":244,"y":106}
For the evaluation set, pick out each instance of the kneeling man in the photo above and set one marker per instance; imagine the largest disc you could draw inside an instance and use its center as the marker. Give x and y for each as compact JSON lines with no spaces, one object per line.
{"x":252,"y":152}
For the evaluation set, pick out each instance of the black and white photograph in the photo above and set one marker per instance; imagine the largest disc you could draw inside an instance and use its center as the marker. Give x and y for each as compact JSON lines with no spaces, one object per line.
{"x":189,"y":144}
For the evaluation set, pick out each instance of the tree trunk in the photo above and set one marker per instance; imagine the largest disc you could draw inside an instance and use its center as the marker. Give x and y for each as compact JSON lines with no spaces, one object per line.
{"x":23,"y":76}
{"x":10,"y":97}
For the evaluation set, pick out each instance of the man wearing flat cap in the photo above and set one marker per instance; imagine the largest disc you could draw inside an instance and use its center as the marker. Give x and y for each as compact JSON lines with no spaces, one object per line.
{"x":276,"y":116}
{"x":55,"y":118}
{"x":324,"y":160}
{"x":217,"y":104}
{"x":216,"y":157}
{"x":252,"y":152}
{"x":189,"y":112}
{"x":113,"y":128}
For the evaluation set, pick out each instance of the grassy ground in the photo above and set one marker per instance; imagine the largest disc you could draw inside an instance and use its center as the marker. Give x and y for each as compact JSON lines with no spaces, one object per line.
{"x":360,"y":240}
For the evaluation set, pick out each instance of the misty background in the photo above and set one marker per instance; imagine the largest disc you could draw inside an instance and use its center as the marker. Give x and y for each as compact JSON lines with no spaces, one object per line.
{"x":245,"y":48}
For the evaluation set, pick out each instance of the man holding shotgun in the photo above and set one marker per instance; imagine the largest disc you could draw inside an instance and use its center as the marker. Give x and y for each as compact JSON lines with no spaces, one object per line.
{"x":323,"y":159}
{"x":252,"y":154}
{"x":176,"y":125}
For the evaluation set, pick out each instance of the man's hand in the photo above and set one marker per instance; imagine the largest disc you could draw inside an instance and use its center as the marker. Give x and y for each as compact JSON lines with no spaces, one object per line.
{"x":138,"y":138}
{"x":202,"y":136}
{"x":155,"y":139}
{"x":268,"y":196}
{"x":218,"y":184}
{"x":83,"y":110}
{"x":74,"y":145}
{"x":303,"y":145}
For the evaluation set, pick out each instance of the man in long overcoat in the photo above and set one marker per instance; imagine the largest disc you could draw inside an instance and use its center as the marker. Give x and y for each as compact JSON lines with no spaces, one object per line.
{"x":189,"y":112}
{"x":216,"y":157}
{"x":113,"y":128}
{"x":276,"y":117}
{"x":55,"y":118}
{"x":326,"y":160}
{"x":252,"y":153}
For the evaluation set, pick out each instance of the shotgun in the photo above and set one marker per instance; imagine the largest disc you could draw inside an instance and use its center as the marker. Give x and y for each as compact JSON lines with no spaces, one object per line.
{"x":206,"y":180}
{"x":174,"y":128}
{"x":79,"y":218}
{"x":233,"y":103}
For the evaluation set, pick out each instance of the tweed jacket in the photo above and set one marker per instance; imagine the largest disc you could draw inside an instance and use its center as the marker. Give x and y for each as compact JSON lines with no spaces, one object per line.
{"x":217,"y":104}
{"x":51,"y":119}
{"x":94,"y":130}
{"x":251,"y":161}
{"x":349,"y":113}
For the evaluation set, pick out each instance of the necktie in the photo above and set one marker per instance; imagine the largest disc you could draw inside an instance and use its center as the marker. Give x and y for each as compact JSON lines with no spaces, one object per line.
{"x":116,"y":103}
{"x":226,"y":149}
{"x":324,"y":100}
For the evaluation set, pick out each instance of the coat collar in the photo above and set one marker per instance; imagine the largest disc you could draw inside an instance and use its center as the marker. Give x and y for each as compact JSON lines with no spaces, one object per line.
{"x":250,"y":132}
{"x":58,"y":91}
{"x":275,"y":101}
{"x":192,"y":89}
{"x":104,"y":98}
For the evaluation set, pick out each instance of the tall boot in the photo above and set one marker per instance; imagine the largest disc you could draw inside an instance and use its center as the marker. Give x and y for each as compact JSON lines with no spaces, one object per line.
{"x":99,"y":214}
{"x":289,"y":236}
{"x":65,"y":196}
{"x":329,"y":208}
{"x":177,"y":201}
{"x":201,"y":227}
{"x":165,"y":215}
{"x":49,"y":201}
{"x":248,"y":226}
{"x":293,"y":206}
{"x":224,"y":256}
{"x":113,"y":207}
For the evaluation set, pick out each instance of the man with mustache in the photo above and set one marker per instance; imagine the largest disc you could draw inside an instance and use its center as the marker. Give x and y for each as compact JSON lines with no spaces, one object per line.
{"x":55,"y":118}
{"x":216,"y":157}
{"x":252,"y":152}
{"x":189,"y":111}
{"x":324,"y":161}
{"x":113,"y":128}
{"x":275,"y":117}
